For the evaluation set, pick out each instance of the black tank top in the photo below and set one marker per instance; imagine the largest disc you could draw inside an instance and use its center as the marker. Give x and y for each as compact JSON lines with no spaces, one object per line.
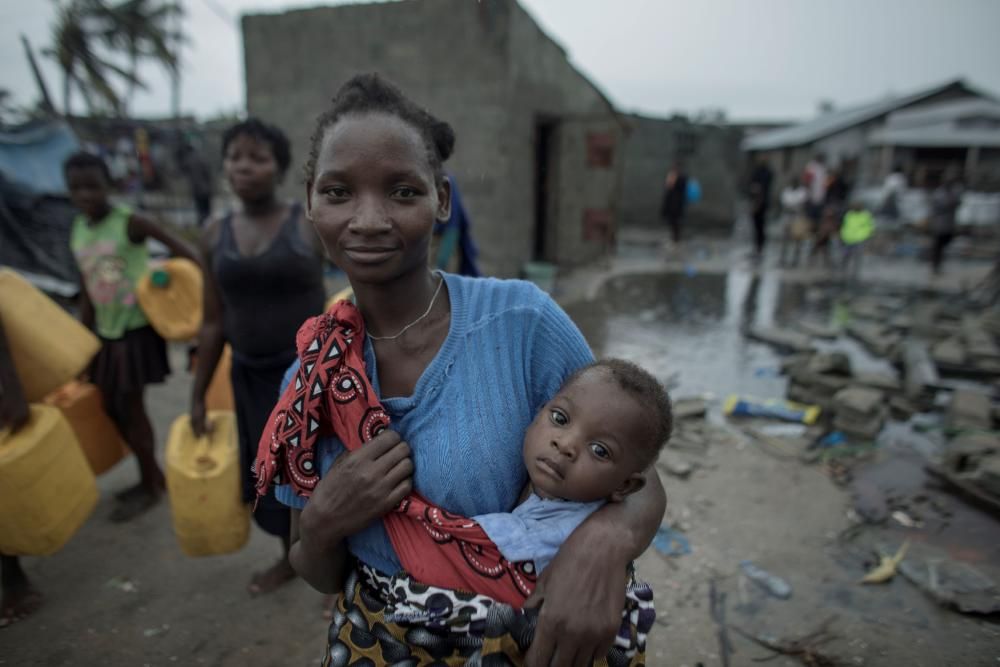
{"x":266,"y":298}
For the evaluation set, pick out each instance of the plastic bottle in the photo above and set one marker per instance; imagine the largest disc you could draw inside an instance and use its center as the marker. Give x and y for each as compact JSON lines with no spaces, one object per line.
{"x":771,"y":583}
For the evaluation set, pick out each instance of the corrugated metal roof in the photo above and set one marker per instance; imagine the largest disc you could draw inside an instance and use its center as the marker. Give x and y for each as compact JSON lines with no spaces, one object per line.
{"x":944,"y":125}
{"x":835,"y":121}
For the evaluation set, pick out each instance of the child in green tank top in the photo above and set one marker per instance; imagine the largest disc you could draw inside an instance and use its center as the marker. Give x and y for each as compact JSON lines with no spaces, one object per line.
{"x":109,"y":244}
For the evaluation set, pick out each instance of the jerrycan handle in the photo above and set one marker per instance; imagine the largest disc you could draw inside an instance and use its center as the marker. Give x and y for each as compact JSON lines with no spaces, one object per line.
{"x":204,"y":461}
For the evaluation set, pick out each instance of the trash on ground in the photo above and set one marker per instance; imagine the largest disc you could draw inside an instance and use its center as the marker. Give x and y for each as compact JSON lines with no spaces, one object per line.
{"x":670,"y":542}
{"x":886,"y":569}
{"x":124,"y":584}
{"x":771,"y":583}
{"x":744,"y":406}
{"x":154,"y":632}
{"x":951,"y":583}
{"x":805,"y":648}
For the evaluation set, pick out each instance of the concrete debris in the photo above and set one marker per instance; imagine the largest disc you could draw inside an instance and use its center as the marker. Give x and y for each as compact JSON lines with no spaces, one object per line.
{"x":878,"y":339}
{"x":817,"y":330}
{"x":951,"y":583}
{"x":949,"y":351}
{"x":861,"y":411}
{"x":833,"y":363}
{"x":970,"y":409}
{"x":689,"y":408}
{"x":920,"y":371}
{"x":862,"y":401}
{"x":878,"y":380}
{"x":783,"y":339}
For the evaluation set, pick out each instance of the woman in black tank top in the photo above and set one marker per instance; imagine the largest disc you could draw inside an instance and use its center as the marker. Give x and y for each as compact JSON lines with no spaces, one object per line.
{"x":263,"y":278}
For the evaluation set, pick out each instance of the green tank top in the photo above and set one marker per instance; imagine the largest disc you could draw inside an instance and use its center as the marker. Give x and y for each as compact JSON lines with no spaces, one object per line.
{"x":111,"y":266}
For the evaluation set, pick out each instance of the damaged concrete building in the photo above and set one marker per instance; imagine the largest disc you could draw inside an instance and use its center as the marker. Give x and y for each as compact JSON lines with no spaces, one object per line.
{"x":538,"y":158}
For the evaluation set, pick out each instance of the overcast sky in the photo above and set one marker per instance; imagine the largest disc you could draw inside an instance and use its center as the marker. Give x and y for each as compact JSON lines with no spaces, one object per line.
{"x":754,"y":58}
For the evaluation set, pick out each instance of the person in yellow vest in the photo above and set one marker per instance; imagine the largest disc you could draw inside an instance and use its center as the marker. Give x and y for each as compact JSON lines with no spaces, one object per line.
{"x":857,"y":227}
{"x":109,"y":244}
{"x":19,"y":597}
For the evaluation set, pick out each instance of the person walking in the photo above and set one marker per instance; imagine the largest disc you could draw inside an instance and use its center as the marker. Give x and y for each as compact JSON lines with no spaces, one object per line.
{"x":674,"y":200}
{"x":760,"y":196}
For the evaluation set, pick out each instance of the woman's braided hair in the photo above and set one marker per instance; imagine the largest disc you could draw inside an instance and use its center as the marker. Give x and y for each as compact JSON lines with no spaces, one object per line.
{"x":370,"y":93}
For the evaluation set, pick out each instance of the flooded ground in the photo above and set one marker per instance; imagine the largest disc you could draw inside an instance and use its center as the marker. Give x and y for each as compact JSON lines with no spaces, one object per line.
{"x":744,"y":502}
{"x":125,"y":595}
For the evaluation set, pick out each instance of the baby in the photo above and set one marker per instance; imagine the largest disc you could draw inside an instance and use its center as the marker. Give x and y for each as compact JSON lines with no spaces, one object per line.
{"x":589,"y":445}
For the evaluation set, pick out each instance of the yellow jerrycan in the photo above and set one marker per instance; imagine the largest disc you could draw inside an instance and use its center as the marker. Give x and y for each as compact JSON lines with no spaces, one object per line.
{"x":203,"y":481}
{"x":48,"y":346}
{"x":219,"y":395}
{"x":83,"y":407}
{"x":47,"y":489}
{"x":170,"y":295}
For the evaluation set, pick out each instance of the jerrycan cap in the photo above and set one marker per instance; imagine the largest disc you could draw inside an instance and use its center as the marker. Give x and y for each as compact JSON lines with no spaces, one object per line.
{"x":160,"y":278}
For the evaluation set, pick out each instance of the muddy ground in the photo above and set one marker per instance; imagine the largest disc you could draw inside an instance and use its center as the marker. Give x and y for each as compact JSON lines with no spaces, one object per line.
{"x":126,"y":595}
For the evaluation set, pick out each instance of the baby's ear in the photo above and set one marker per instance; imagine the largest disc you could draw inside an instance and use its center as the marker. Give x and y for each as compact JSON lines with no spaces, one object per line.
{"x":635,"y":481}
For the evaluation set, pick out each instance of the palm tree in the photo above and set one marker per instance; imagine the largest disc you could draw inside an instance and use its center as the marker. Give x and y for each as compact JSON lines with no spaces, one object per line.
{"x":83,"y":66}
{"x":88,"y":33}
{"x":143,"y":29}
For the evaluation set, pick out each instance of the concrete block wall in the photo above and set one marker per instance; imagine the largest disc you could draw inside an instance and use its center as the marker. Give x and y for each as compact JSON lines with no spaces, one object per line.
{"x":447,"y":55}
{"x":715,"y":160}
{"x":485,"y":67}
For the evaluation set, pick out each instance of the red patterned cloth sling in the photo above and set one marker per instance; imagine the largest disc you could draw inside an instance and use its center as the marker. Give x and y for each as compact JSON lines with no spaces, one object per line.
{"x":331,"y":395}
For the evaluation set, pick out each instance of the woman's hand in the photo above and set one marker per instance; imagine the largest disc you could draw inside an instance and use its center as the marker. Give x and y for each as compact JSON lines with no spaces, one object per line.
{"x":582,"y":594}
{"x":199,"y":423}
{"x":358,"y":489}
{"x":582,"y":591}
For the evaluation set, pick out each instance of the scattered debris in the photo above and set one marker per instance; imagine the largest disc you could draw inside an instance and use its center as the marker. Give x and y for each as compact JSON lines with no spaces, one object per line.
{"x":743,"y":406}
{"x":689,"y":408}
{"x":154,"y":632}
{"x":886,"y":569}
{"x":920,"y":372}
{"x":783,"y":339}
{"x":952,"y":584}
{"x":805,"y":648}
{"x":861,"y":411}
{"x":970,"y":409}
{"x":771,"y":583}
{"x":122,"y":583}
{"x":670,"y":542}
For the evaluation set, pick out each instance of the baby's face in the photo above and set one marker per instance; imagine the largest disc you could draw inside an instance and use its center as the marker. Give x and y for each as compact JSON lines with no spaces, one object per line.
{"x":585,"y":443}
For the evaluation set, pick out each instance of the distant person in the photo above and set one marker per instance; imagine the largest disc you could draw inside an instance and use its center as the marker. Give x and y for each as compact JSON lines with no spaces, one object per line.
{"x":857,"y":227}
{"x":263,"y":278}
{"x":760,"y":196}
{"x":815,"y":176}
{"x":831,"y":216}
{"x":199,"y":177}
{"x":796,"y":225}
{"x":109,"y":244}
{"x":675,"y":195}
{"x":892,"y":193}
{"x":452,"y":247}
{"x":19,"y":597}
{"x":946,"y":195}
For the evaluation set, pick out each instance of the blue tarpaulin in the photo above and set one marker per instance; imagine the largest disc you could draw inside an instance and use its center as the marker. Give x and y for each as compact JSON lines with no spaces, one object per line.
{"x":33,"y":155}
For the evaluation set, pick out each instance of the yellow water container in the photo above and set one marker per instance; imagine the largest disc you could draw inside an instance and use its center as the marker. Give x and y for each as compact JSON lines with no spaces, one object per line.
{"x":170,"y":295}
{"x":47,"y":490}
{"x":48,"y":346}
{"x":219,"y":395}
{"x":83,"y":407}
{"x":203,"y":481}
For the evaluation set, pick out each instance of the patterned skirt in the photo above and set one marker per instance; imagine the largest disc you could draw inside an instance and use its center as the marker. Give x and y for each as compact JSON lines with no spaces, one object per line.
{"x":442,"y":628}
